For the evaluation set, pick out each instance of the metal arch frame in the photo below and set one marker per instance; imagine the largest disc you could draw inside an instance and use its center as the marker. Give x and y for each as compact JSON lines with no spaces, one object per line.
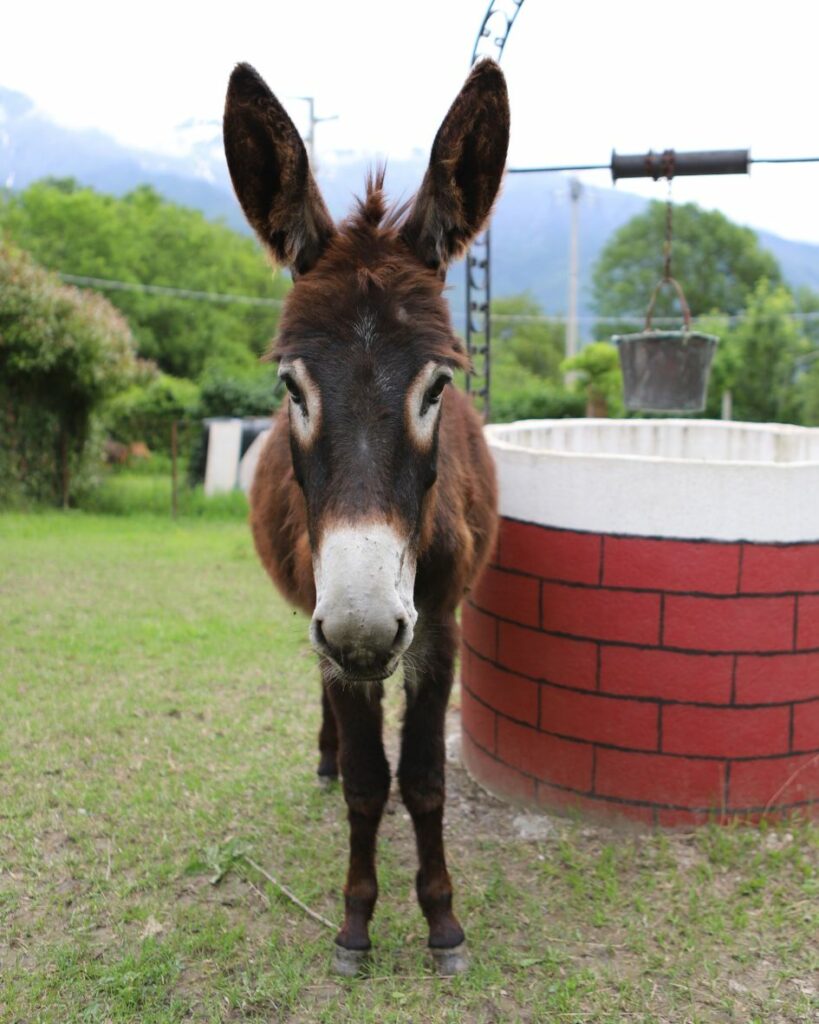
{"x":491,"y":39}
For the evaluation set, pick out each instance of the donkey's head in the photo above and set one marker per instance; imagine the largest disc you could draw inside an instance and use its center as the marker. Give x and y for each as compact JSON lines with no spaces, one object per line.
{"x":366,"y":349}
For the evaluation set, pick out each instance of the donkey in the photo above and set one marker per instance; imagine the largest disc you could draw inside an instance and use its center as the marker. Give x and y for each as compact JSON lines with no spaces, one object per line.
{"x":373,"y":507}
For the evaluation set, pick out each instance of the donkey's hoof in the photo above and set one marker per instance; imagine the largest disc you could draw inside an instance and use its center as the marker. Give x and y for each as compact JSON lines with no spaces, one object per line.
{"x":327,"y":782}
{"x":449,"y":962}
{"x":349,"y":962}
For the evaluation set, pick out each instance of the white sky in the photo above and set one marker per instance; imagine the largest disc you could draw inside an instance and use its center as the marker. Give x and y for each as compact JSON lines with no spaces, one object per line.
{"x":584,"y":78}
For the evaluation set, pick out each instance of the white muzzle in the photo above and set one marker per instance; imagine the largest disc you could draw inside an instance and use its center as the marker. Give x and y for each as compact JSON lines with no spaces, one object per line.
{"x":365,"y":615}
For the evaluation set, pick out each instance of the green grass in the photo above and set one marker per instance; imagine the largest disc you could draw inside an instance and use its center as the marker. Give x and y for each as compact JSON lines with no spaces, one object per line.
{"x":146,"y":489}
{"x":159,"y":706}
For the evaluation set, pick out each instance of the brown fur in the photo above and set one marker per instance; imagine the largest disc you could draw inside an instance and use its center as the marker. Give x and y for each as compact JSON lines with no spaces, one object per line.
{"x":459,"y":518}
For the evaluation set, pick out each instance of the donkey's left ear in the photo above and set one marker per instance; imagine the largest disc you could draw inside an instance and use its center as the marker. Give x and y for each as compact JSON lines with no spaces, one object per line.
{"x":465,"y":170}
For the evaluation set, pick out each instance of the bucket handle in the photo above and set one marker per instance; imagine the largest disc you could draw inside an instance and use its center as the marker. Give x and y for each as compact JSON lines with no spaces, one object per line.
{"x":686,"y":312}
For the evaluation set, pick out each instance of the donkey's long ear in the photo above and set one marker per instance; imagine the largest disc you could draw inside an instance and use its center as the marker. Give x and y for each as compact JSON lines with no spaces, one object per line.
{"x":465,"y":170}
{"x":270,"y":173}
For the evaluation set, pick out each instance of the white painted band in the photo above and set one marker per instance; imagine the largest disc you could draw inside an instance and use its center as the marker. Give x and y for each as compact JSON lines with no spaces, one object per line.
{"x":662,"y":478}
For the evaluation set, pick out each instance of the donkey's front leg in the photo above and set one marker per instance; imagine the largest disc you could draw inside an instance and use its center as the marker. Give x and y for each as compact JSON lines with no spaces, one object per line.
{"x":421,"y":778}
{"x":328,"y":739}
{"x":366,"y":778}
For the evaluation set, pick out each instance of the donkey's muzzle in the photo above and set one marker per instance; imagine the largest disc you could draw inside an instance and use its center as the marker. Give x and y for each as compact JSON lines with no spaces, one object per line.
{"x":365,"y":653}
{"x":364,"y":616}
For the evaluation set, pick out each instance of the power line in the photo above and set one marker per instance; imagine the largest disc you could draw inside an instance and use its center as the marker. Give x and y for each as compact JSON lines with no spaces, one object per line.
{"x":672,"y":164}
{"x":107,"y":284}
{"x":786,"y":160}
{"x":632,"y":318}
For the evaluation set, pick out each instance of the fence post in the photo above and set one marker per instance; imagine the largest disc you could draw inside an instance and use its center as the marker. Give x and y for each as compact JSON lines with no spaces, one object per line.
{"x":174,"y":494}
{"x":63,"y":465}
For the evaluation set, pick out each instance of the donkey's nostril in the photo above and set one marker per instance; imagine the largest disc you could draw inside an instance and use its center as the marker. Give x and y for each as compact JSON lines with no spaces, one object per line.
{"x":400,"y":634}
{"x":319,"y":633}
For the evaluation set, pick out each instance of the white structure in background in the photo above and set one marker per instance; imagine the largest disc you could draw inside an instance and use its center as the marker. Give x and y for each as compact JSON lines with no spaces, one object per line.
{"x":224,"y":446}
{"x":226,"y":467}
{"x":247,"y":467}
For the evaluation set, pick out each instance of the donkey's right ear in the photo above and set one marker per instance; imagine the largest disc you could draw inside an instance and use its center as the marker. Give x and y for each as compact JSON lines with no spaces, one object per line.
{"x":271,"y":175}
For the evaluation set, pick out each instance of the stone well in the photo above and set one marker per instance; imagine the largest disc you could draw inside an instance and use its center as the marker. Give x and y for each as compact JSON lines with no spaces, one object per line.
{"x":645,"y":643}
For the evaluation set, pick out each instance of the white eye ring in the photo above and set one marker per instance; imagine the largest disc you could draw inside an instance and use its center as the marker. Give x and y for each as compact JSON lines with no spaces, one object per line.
{"x":305,"y":400}
{"x":424,"y":402}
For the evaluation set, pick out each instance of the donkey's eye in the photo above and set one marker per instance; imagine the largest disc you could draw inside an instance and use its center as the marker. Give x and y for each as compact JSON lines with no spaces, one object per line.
{"x":433,"y":395}
{"x":293,"y":389}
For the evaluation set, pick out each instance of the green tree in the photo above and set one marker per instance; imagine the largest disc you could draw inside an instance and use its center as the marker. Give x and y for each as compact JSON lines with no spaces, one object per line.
{"x":63,"y":352}
{"x":522,"y":334}
{"x":142,"y":238}
{"x":807,"y":389}
{"x":807,"y":306}
{"x":760,"y":359}
{"x":717,"y":263}
{"x":527,"y":350}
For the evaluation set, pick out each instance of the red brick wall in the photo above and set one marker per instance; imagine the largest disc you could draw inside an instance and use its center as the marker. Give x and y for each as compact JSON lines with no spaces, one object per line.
{"x":664,"y":680}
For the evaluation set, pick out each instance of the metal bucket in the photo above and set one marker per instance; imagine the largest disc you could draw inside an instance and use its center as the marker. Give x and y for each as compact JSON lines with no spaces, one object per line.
{"x":666,"y":371}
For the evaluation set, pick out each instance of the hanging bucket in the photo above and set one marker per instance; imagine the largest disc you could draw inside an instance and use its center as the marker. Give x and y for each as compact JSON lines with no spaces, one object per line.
{"x":666,"y":371}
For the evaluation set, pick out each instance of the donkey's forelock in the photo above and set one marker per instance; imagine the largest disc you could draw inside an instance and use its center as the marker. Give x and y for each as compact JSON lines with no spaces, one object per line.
{"x":373,"y":209}
{"x":368,"y":274}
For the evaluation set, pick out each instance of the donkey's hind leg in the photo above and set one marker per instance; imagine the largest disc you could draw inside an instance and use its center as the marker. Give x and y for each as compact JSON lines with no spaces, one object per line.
{"x":327,"y":740}
{"x":421,"y":779}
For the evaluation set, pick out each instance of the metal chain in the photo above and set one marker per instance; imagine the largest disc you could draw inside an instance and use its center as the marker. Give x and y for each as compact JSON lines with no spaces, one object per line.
{"x":669,"y":215}
{"x":668,"y":173}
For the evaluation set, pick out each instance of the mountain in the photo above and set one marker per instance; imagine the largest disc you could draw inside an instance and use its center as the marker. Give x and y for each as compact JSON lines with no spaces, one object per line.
{"x":32,"y":147}
{"x":530,"y":231}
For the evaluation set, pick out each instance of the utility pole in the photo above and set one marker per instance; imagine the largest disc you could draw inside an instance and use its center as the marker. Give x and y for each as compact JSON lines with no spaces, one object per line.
{"x":575,"y":192}
{"x":310,"y":137}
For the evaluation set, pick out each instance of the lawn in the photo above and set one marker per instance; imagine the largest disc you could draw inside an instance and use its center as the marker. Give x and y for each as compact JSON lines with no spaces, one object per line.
{"x":158,"y":712}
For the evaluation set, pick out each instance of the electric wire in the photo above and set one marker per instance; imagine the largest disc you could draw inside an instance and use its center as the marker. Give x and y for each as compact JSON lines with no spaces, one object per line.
{"x":108,"y":284}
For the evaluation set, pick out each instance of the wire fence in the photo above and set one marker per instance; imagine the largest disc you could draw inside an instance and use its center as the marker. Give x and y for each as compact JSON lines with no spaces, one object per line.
{"x":160,"y":463}
{"x":157,"y":462}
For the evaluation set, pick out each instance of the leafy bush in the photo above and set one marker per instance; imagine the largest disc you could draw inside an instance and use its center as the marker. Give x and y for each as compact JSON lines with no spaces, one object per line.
{"x":542,"y":402}
{"x":145,"y":412}
{"x":229,"y":391}
{"x":63,"y":352}
{"x":599,"y":378}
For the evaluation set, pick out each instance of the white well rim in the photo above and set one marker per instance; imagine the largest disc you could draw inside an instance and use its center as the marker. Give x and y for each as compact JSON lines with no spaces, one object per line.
{"x":498,"y":435}
{"x":763,"y":499}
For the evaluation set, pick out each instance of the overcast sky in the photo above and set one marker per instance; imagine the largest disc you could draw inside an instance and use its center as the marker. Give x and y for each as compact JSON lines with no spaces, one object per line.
{"x":584,"y":78}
